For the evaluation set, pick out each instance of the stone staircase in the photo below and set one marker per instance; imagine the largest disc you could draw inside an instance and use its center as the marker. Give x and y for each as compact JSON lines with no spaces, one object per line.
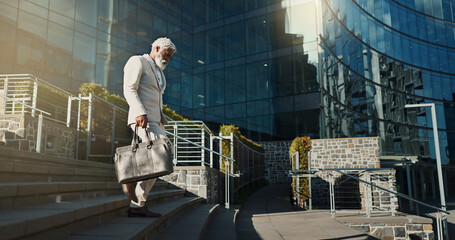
{"x":48,"y":197}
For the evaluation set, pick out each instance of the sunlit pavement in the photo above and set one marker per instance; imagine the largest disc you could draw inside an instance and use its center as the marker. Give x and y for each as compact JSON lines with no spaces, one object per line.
{"x":267,"y":214}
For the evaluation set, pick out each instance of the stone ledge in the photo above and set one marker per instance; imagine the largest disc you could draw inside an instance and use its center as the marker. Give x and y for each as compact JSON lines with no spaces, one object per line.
{"x":355,"y":138}
{"x":382,"y":218}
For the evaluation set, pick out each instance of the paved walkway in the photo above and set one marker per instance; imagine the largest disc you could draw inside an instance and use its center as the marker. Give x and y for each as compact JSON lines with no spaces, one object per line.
{"x":267,"y":215}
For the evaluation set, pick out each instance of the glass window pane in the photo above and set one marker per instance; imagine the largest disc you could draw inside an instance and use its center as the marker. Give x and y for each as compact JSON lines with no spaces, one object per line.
{"x":214,"y":114}
{"x":199,"y":12}
{"x":281,"y":78}
{"x":172,"y":95}
{"x":187,"y":15}
{"x":235,"y":84}
{"x":259,"y":127}
{"x":235,"y":40}
{"x":186,"y":93}
{"x":215,"y":45}
{"x":198,"y":91}
{"x":256,"y":35}
{"x":214,"y":88}
{"x":199,"y":49}
{"x":234,"y":7}
{"x":308,"y":123}
{"x":283,"y":125}
{"x":215,"y":9}
{"x":36,"y":9}
{"x":256,"y":108}
{"x":278,"y":36}
{"x":84,"y":57}
{"x":32,"y":24}
{"x":253,"y":4}
{"x":8,"y":18}
{"x":236,"y":110}
{"x":60,"y":36}
{"x":257,"y":81}
{"x":30,"y":51}
{"x":86,"y":11}
{"x":65,"y":7}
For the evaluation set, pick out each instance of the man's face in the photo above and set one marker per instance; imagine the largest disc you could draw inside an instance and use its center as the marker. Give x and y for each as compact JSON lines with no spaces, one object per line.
{"x":163,"y":56}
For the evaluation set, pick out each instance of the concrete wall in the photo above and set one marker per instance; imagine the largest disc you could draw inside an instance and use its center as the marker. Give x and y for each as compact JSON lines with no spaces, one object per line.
{"x":397,"y":231}
{"x":196,"y":180}
{"x":336,"y":153}
{"x":345,"y":153}
{"x":277,"y":164}
{"x":21,"y":130}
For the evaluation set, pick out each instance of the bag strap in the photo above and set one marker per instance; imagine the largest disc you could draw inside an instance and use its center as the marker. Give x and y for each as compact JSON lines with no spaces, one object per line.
{"x":135,"y":141}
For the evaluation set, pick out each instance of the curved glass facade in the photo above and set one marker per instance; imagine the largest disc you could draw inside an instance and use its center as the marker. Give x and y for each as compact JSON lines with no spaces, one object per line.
{"x":248,"y":63}
{"x":378,"y":56}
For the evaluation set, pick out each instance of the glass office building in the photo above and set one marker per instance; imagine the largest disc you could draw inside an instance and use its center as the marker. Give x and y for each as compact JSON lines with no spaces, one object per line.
{"x":378,"y":56}
{"x":248,"y":63}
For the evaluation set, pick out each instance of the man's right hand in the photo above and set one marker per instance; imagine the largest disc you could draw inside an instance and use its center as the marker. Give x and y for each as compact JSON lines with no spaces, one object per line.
{"x":142,"y":121}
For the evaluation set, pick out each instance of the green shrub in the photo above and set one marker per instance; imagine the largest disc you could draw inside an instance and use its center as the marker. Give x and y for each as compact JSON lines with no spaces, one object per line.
{"x":303,"y":146}
{"x":226,"y":130}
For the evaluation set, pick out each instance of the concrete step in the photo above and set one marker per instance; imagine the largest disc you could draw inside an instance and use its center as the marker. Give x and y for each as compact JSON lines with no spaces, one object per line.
{"x":36,"y":170}
{"x":57,"y":220}
{"x":222,"y":225}
{"x":191,"y":226}
{"x":42,"y":158}
{"x":123,"y":227}
{"x":14,"y":195}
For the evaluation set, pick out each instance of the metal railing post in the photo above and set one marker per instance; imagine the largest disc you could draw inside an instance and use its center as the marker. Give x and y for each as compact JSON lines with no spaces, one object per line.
{"x":393,"y":210}
{"x":226,"y":184}
{"x":39,"y":133}
{"x":5,"y":93}
{"x":35,"y":95}
{"x":176,"y":142}
{"x":439,"y":226}
{"x":408,"y":177}
{"x":310,"y":200}
{"x":23,"y":107}
{"x":369,"y":198}
{"x":113,"y":132}
{"x":78,"y":126}
{"x":297,"y":167}
{"x":68,"y":112}
{"x":89,"y":126}
{"x":220,"y":149}
{"x":232,"y":153}
{"x":332,"y":195}
{"x":203,"y":144}
{"x":211,"y":147}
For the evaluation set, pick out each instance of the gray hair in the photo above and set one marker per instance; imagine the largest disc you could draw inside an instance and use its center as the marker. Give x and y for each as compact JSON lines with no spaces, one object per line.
{"x":164,"y":43}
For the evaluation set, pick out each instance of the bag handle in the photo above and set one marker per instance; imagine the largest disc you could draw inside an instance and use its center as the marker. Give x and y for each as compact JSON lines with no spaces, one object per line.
{"x":134,"y":142}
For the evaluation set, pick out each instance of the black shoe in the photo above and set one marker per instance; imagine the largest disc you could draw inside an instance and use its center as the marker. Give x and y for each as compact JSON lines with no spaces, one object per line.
{"x":142,"y":212}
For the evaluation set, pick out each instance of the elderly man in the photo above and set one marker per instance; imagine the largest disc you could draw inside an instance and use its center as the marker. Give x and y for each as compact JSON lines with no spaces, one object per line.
{"x":143,"y":87}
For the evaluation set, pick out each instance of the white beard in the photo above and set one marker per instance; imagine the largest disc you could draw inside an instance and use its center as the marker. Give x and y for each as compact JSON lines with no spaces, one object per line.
{"x":160,"y":62}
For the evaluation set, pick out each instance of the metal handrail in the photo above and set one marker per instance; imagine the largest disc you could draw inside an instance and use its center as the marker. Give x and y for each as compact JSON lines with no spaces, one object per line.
{"x":208,"y":149}
{"x":387,"y":190}
{"x":180,"y":125}
{"x":227,"y":194}
{"x":241,"y":142}
{"x":34,"y":78}
{"x":106,"y":102}
{"x":40,"y":121}
{"x":33,"y":108}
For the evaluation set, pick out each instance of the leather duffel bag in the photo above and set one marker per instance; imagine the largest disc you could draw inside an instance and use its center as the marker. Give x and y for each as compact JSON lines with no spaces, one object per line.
{"x":143,"y":161}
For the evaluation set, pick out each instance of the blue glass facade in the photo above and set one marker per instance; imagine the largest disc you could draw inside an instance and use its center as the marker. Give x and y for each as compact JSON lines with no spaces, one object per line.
{"x":378,"y":56}
{"x":247,"y":63}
